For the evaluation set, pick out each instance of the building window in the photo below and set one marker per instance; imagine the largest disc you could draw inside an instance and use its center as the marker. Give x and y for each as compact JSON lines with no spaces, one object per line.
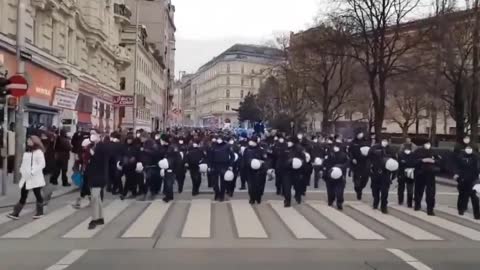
{"x":252,"y":82}
{"x":122,"y":83}
{"x":243,"y":69}
{"x":227,"y":93}
{"x":253,"y":71}
{"x":241,"y":93}
{"x":228,"y":68}
{"x":242,"y":81}
{"x":227,"y":107}
{"x":228,"y":80}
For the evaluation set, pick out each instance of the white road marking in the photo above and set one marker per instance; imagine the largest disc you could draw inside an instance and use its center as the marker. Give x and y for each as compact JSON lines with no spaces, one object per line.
{"x":110,"y":212}
{"x":147,"y":223}
{"x":442,"y":223}
{"x":198,"y":220}
{"x":4,"y":219}
{"x":413,"y":262}
{"x":395,"y":223}
{"x":246,"y":220}
{"x":346,"y":223}
{"x":297,"y":223}
{"x":41,"y":224}
{"x":68,"y":260}
{"x":454,"y":212}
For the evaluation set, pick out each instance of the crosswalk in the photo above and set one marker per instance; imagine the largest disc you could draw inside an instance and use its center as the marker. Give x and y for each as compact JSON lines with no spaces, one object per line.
{"x":307,"y":222}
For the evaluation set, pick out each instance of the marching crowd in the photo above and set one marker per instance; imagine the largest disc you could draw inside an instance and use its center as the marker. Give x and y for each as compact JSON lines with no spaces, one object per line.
{"x":142,"y":165}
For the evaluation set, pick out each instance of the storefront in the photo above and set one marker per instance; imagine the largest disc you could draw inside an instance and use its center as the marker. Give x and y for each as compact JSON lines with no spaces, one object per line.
{"x":42,"y":83}
{"x":94,"y":106}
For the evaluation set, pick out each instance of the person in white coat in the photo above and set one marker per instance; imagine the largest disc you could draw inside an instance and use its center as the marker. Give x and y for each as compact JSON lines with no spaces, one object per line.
{"x":32,"y":166}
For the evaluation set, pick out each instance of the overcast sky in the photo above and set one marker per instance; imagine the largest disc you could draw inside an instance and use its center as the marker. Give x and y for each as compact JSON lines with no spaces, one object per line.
{"x":205,"y":28}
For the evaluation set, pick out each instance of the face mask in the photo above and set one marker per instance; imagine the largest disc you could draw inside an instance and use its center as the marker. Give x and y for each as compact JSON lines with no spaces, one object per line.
{"x":281,"y":140}
{"x":180,"y":142}
{"x":407,"y":151}
{"x":290,"y":144}
{"x":219,"y":141}
{"x":275,"y":138}
{"x":384,"y":143}
{"x":252,"y":143}
{"x":469,"y":150}
{"x":466,"y":140}
{"x":338,"y":141}
{"x":214,"y":140}
{"x":329,"y":142}
{"x":336,"y":149}
{"x":427,"y":146}
{"x":360,"y":136}
{"x":300,"y":136}
{"x":195,"y":145}
{"x":157,"y":137}
{"x":315,"y":140}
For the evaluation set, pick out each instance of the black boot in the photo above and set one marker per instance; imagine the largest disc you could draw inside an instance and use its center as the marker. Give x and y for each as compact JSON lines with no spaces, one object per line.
{"x":39,"y":213}
{"x":430,"y":212}
{"x":16,"y":211}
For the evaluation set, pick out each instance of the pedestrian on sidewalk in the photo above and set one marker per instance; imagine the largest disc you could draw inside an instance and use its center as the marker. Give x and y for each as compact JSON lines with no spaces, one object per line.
{"x":62,"y":155}
{"x":32,"y":166}
{"x":97,"y":173}
{"x":48,"y":140}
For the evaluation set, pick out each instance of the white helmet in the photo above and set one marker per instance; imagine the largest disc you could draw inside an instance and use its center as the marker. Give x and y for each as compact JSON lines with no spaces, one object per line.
{"x":318,"y":162}
{"x":410,"y":173}
{"x":391,"y":165}
{"x":242,"y":149}
{"x":86,"y":143}
{"x":119,"y":166}
{"x":307,"y":157}
{"x":203,"y":167}
{"x":336,"y":173}
{"x":477,"y":188}
{"x":163,"y":164}
{"x":228,"y":176}
{"x":297,"y":163}
{"x":255,"y":164}
{"x":364,"y":150}
{"x":236,"y":156}
{"x":139,"y":167}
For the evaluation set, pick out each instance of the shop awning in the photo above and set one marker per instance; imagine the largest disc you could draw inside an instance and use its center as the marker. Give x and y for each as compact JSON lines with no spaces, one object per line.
{"x":32,"y":107}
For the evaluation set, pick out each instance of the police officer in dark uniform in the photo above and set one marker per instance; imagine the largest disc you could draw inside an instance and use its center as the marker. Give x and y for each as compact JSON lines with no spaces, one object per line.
{"x":194,"y":157}
{"x":181,"y":170}
{"x":405,"y":176}
{"x":235,"y":167}
{"x":317,"y":153}
{"x":172,"y":155}
{"x":467,"y":170}
{"x":381,"y":177}
{"x":294,"y":152}
{"x":338,"y":158}
{"x":279,"y":149}
{"x":243,"y":143}
{"x":254,"y":159}
{"x":220,"y":160}
{"x":425,"y":169}
{"x":130,"y":159}
{"x":307,"y":168}
{"x":360,"y":166}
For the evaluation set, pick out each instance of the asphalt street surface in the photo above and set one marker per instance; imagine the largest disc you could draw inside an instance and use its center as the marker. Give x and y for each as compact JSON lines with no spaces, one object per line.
{"x":198,"y":233}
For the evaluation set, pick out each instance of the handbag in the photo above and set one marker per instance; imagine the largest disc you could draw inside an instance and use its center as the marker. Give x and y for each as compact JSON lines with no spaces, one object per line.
{"x":77,"y":179}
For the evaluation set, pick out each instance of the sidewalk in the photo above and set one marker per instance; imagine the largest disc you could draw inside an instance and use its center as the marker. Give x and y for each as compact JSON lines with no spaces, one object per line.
{"x":446,"y":181}
{"x":13,"y":193}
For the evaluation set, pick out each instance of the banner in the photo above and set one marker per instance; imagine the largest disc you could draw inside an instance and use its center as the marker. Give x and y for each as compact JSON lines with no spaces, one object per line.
{"x":65,"y":99}
{"x":124,"y":101}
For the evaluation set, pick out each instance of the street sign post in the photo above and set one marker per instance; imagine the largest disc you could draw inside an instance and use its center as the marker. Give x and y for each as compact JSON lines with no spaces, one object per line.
{"x":18,"y":86}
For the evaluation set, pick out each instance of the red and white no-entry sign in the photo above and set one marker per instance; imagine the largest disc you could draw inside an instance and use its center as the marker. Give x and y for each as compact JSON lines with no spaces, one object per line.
{"x":18,"y":86}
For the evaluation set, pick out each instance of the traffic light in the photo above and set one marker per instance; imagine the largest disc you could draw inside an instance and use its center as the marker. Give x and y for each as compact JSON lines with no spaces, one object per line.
{"x":3,"y":90}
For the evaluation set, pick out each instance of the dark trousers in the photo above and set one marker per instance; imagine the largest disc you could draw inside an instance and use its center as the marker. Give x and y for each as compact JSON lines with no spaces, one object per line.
{"x":210,"y":178}
{"x":404,"y":182}
{"x":243,"y":178}
{"x":292,"y":178}
{"x":465,"y":193}
{"x":85,"y":190}
{"x":61,"y":167}
{"x":196,"y":179}
{"x":279,"y":174}
{"x":425,"y":183}
{"x":24,"y":194}
{"x":130,"y":182}
{"x":380,"y":187}
{"x":317,"y":174}
{"x":141,"y":184}
{"x":152,"y":178}
{"x":180,"y":176}
{"x":219,"y":183}
{"x":335,"y":191}
{"x":256,"y":185}
{"x":117,"y":185}
{"x":169,"y":179}
{"x":360,"y":179}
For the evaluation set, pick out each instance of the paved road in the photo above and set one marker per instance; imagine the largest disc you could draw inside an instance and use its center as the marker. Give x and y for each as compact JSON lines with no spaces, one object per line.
{"x":203,"y":234}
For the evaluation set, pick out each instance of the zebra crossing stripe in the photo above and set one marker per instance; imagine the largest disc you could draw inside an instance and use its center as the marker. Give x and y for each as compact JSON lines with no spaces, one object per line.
{"x":246,"y":220}
{"x":297,"y":223}
{"x":42,"y":224}
{"x":147,"y":223}
{"x":4,"y":219}
{"x":407,"y":258}
{"x":198,"y":220}
{"x":454,"y":212}
{"x":346,"y":223}
{"x":442,"y":223}
{"x":111,"y":211}
{"x":395,"y":223}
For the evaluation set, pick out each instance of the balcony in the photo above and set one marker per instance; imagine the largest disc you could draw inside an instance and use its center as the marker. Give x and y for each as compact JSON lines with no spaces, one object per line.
{"x":123,"y":57}
{"x":122,"y":13}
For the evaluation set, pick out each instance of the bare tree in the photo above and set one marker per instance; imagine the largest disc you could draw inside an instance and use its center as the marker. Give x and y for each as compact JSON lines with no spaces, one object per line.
{"x":379,"y":42}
